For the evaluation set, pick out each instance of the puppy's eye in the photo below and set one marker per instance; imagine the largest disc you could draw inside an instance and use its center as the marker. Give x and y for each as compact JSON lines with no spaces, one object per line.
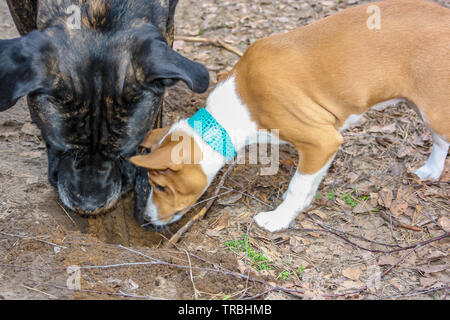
{"x":160,"y":188}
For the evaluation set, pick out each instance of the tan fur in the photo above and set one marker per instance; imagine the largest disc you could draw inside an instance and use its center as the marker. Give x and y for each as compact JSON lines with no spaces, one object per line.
{"x":183,"y":183}
{"x":307,"y":82}
{"x":154,"y":137}
{"x":97,"y":13}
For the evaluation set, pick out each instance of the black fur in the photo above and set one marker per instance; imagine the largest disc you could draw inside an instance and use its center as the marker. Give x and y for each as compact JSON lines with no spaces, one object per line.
{"x":95,"y":92}
{"x":22,"y":66}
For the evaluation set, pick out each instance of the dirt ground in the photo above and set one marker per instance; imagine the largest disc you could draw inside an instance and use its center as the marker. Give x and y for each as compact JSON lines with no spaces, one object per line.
{"x":369,"y":208}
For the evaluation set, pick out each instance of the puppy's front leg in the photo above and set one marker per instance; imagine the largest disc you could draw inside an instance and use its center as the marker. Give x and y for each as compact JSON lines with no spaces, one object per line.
{"x":297,"y":198}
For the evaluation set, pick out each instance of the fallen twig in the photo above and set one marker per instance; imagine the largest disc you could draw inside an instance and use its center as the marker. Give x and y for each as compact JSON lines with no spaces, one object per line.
{"x":340,"y":234}
{"x":191,"y":275}
{"x":67,"y":213}
{"x":250,"y":196}
{"x":415,"y":293}
{"x":42,"y":292}
{"x":389,"y":219}
{"x":215,"y":42}
{"x":419,"y":245}
{"x":383,"y":275}
{"x":32,"y":238}
{"x":350,"y":293}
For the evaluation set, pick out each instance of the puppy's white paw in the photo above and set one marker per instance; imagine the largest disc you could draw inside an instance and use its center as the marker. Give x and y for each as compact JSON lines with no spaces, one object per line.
{"x":271,"y":221}
{"x":426,"y":172}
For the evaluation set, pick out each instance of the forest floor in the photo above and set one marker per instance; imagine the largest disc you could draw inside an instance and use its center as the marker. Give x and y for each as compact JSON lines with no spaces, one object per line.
{"x":357,"y":241}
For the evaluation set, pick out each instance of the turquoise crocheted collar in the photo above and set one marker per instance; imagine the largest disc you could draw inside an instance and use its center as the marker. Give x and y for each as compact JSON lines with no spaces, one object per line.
{"x":213,"y":133}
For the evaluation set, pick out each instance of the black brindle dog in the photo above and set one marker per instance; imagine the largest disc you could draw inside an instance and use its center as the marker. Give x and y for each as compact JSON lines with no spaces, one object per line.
{"x":95,"y":73}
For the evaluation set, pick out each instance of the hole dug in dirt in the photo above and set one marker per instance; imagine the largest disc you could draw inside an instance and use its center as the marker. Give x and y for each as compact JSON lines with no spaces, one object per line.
{"x":115,"y":227}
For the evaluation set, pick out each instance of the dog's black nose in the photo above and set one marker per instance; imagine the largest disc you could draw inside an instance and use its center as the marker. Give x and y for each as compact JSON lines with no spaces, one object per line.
{"x":89,"y":184}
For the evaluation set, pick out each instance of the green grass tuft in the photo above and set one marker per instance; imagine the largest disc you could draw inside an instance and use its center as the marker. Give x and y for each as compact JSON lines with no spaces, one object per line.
{"x":256,"y":259}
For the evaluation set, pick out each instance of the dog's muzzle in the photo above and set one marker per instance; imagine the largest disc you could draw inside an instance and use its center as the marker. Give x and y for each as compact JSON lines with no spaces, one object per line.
{"x":91,"y":185}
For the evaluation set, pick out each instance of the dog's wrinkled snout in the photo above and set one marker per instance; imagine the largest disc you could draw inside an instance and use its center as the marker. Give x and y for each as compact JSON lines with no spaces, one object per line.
{"x":89,"y":184}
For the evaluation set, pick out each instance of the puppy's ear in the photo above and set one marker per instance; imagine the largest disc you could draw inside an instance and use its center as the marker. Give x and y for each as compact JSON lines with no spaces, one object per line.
{"x":154,"y":137}
{"x":22,"y":67}
{"x":155,"y":60}
{"x":160,"y":159}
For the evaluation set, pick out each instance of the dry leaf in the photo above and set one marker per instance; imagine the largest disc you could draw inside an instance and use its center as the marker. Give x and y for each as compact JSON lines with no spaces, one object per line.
{"x":398,"y":207}
{"x":383,"y":141}
{"x":435,"y":254}
{"x":404,"y":192}
{"x":352,"y":177}
{"x":222,"y":222}
{"x":386,"y":197}
{"x":296,"y":245}
{"x":433,"y":268}
{"x":387,"y":260}
{"x":322,"y":215}
{"x":365,"y":206}
{"x":229,"y":200}
{"x":403,"y":152}
{"x":352,"y":273}
{"x":373,"y":199}
{"x":243,"y":269}
{"x":349,"y":284}
{"x":427,"y":282}
{"x":445,"y":223}
{"x":212,"y":233}
{"x":309,"y":225}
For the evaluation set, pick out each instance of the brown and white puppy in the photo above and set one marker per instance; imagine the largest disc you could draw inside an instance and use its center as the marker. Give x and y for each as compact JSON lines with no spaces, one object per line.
{"x":310,"y":84}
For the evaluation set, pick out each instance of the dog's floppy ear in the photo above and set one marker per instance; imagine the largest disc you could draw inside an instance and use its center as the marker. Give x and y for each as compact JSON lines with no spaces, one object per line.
{"x":160,"y":159}
{"x":154,"y":137}
{"x":21,"y":67}
{"x":155,"y":60}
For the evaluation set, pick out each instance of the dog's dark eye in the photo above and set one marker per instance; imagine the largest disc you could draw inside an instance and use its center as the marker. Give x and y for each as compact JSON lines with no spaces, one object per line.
{"x":159,"y":188}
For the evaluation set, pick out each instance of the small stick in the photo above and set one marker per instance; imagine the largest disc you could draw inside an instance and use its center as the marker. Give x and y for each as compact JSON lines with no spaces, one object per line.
{"x":67,"y":214}
{"x":215,"y":42}
{"x":192,"y":277}
{"x":413,"y":249}
{"x":414,"y":293}
{"x":176,"y":237}
{"x":32,"y":238}
{"x":406,"y":226}
{"x":389,"y":219}
{"x":350,"y":293}
{"x":45,"y":293}
{"x":407,"y":254}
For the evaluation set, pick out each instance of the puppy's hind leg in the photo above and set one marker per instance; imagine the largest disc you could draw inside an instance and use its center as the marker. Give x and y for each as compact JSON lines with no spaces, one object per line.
{"x":435,"y":165}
